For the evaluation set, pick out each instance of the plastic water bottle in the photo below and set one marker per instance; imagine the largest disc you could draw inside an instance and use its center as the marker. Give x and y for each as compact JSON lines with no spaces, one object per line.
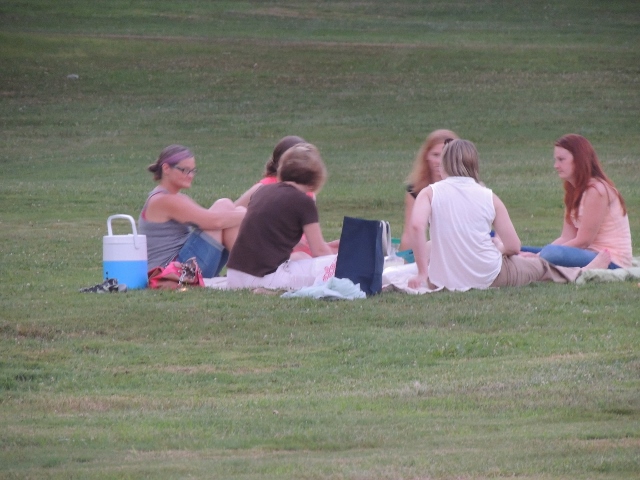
{"x":393,"y":260}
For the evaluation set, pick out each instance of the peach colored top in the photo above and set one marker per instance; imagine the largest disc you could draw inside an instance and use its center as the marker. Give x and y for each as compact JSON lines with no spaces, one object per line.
{"x":614,"y":233}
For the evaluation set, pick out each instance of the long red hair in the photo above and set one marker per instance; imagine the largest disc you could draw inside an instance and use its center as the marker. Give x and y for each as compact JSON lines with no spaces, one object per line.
{"x":585,"y":167}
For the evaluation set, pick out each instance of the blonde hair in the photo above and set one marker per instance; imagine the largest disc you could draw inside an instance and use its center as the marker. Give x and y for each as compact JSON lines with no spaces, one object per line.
{"x":421,"y":175}
{"x":460,"y":159}
{"x":302,"y":164}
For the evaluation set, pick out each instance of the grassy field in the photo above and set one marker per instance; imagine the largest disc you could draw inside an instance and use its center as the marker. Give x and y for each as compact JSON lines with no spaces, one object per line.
{"x":535,"y":383}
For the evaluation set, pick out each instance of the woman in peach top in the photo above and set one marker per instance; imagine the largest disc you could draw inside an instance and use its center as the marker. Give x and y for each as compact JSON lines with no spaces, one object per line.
{"x":595,"y":213}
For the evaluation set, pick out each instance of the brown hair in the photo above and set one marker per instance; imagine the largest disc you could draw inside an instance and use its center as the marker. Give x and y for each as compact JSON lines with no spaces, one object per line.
{"x":586,"y":166}
{"x":302,"y":164}
{"x":460,"y":159}
{"x":171,"y":155}
{"x":421,"y":175}
{"x":271,"y":167}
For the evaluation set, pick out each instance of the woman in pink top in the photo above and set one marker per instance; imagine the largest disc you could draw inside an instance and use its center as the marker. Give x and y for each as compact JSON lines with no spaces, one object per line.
{"x":595,"y":213}
{"x":271,"y":168}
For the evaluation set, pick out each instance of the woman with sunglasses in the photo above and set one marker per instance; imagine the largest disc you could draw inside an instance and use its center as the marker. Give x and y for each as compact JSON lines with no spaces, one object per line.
{"x":595,"y":216}
{"x":176,"y":227}
{"x":463,"y":255}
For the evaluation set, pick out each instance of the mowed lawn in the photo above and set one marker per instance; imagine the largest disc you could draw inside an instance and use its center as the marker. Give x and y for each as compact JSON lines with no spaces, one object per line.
{"x":538,"y":382}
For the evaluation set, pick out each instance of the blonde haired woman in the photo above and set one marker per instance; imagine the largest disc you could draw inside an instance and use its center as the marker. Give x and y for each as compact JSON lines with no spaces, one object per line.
{"x":426,"y":170}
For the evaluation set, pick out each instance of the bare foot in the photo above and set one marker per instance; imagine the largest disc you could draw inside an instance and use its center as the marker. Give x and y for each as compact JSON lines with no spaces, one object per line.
{"x":602,"y":260}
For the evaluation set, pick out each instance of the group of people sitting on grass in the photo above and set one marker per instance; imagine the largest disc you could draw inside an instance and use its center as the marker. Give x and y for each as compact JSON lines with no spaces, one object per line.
{"x":270,"y":235}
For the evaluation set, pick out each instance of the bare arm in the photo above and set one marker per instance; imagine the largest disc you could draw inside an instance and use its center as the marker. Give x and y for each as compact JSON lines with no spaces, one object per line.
{"x":509,"y":242}
{"x":418,"y":233}
{"x":243,"y":200}
{"x":568,"y":233}
{"x":316,"y":242}
{"x":596,"y":205}
{"x":405,"y":240}
{"x":183,"y":209}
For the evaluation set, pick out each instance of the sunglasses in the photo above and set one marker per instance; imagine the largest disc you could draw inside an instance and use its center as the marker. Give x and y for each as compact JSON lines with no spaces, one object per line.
{"x":186,"y":171}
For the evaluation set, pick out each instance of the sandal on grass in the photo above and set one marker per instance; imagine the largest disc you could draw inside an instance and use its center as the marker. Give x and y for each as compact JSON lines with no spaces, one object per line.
{"x":110,"y":285}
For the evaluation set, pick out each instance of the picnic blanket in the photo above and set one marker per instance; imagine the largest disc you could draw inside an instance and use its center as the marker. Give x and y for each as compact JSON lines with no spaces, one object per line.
{"x":397,"y":278}
{"x":617,"y":275}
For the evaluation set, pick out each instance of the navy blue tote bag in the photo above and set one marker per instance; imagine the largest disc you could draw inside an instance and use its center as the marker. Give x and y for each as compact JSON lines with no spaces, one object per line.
{"x":361,"y":253}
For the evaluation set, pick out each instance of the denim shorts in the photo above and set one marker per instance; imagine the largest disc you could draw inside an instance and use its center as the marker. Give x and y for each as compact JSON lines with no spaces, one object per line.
{"x":210,"y":254}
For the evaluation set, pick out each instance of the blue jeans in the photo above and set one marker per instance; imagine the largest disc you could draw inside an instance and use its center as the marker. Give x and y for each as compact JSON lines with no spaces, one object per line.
{"x":210,"y":254}
{"x":565,"y":256}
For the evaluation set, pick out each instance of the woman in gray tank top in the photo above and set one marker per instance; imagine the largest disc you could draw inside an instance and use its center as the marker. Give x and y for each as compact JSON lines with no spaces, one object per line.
{"x":177,"y":228}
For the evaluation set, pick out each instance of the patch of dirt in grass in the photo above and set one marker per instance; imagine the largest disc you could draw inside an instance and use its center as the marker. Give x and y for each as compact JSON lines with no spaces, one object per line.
{"x":194,"y":369}
{"x":604,"y":444}
{"x":283,"y":13}
{"x":213,"y":369}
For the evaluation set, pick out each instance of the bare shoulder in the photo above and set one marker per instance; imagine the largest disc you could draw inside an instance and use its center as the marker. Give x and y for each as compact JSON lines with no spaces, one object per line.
{"x":426,"y":192}
{"x":497,"y":202}
{"x":170,"y":202}
{"x":597,"y":187}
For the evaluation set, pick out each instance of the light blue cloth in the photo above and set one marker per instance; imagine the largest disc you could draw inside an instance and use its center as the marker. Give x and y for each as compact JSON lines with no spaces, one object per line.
{"x":334,"y":288}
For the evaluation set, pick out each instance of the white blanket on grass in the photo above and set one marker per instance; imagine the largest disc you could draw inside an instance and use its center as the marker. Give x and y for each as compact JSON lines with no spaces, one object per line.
{"x":217,"y":283}
{"x":397,"y":278}
{"x":393,"y":278}
{"x":617,"y":275}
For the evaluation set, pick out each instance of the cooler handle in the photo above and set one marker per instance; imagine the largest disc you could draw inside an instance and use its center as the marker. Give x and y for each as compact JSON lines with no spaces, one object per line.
{"x":133,"y":226}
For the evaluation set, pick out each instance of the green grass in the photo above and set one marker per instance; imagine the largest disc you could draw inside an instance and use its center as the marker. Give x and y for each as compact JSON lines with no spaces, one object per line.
{"x":536,"y":382}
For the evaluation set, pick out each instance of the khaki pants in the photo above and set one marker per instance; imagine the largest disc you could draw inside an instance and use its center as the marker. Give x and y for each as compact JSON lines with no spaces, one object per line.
{"x":517,"y":271}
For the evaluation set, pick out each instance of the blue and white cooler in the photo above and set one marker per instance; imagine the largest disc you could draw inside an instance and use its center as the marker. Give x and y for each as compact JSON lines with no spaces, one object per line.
{"x":124,"y":257}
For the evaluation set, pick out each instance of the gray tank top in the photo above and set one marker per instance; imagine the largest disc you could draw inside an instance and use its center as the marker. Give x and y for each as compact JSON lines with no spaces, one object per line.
{"x":164,"y":239}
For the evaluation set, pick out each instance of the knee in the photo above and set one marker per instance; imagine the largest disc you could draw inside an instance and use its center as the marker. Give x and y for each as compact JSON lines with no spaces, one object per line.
{"x":222,"y":204}
{"x":552,"y":254}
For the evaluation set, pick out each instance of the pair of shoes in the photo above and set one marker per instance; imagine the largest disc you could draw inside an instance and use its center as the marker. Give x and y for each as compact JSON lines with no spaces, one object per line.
{"x":110,"y":285}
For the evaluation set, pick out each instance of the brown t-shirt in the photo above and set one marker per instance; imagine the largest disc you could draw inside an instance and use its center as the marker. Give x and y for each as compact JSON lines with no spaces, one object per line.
{"x":273,"y":225}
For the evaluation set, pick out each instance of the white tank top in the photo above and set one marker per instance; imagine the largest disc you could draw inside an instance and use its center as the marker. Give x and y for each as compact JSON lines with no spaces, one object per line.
{"x":462,"y":253}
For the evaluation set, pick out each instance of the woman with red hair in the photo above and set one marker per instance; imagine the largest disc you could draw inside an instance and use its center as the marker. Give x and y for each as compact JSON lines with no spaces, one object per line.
{"x":595,"y":213}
